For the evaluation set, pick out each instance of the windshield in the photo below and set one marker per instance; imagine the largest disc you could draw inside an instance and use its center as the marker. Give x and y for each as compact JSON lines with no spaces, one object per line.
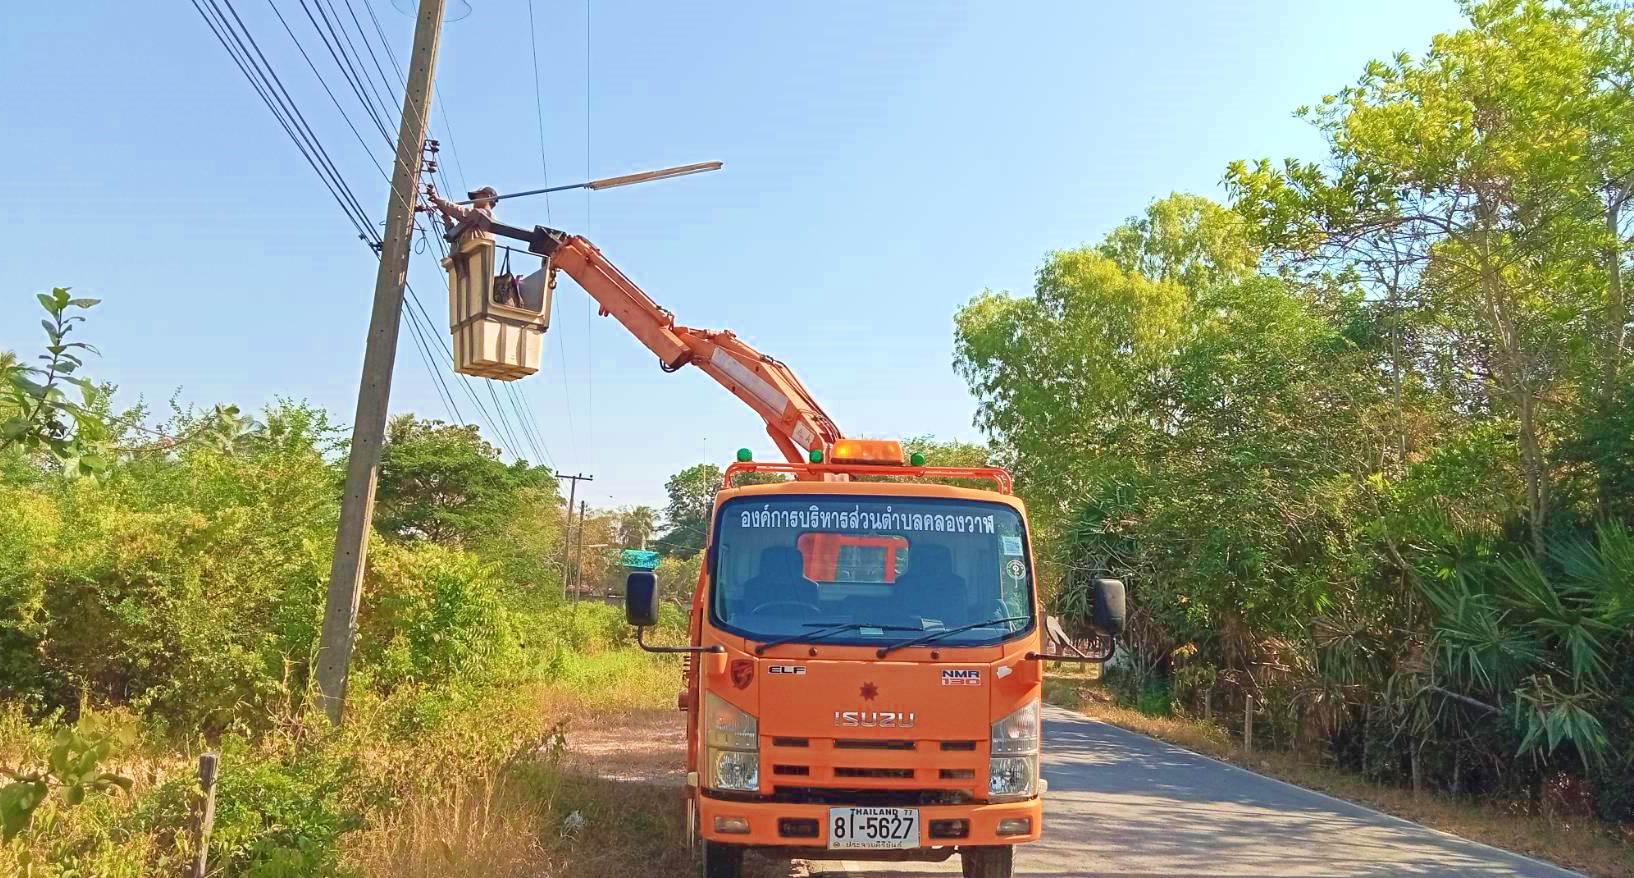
{"x":882,"y":570}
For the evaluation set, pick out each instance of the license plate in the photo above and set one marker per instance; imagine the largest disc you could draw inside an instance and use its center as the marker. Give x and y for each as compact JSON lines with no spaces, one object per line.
{"x":873,"y":828}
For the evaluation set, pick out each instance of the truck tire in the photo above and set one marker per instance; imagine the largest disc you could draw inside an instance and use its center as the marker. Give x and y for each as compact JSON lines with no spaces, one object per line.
{"x":721,"y":860}
{"x":988,"y":862}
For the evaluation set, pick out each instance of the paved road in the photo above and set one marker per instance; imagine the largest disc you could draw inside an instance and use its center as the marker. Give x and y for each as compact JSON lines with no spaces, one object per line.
{"x":1122,"y":804}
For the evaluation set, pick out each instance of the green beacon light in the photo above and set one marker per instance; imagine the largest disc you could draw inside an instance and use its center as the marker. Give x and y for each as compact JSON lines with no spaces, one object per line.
{"x":744,"y":456}
{"x":816,"y":455}
{"x":917,"y":458}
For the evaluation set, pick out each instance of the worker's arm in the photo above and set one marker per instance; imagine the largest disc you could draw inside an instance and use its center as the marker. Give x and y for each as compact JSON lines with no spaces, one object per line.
{"x":793,"y":418}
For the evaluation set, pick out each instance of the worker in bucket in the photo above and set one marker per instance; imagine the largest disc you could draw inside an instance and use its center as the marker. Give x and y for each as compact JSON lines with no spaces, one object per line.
{"x":462,"y":221}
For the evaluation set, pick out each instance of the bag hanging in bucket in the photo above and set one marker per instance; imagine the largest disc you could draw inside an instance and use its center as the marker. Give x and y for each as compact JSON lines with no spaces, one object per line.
{"x":507,"y":286}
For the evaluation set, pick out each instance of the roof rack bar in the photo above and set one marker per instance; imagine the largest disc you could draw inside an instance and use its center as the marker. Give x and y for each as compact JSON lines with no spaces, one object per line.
{"x":999,"y":476}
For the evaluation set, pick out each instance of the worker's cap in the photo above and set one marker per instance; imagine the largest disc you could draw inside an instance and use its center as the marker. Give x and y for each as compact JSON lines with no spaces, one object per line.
{"x":485,"y":192}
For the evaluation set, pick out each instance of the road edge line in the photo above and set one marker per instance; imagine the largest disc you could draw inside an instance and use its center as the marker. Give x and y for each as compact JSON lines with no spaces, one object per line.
{"x":1331,"y":798}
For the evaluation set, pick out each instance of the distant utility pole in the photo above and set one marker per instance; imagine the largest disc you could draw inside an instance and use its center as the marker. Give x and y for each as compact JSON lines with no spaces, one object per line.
{"x":374,"y":390}
{"x":578,"y":554}
{"x":567,"y":528}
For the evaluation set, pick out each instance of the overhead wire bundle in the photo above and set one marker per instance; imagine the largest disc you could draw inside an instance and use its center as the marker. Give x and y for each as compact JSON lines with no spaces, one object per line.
{"x":376,"y":95}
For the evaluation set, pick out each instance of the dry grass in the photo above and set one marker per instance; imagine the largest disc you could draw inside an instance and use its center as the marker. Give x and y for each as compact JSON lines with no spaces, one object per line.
{"x":516,"y":816}
{"x":484,"y":789}
{"x":1583,"y":844}
{"x":519,"y":825}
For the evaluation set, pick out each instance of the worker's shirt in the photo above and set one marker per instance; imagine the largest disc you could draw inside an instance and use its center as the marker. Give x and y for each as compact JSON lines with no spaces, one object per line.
{"x":474,"y":219}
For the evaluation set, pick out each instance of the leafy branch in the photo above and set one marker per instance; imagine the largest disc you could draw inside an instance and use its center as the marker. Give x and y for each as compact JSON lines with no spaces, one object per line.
{"x":72,"y":769}
{"x":41,"y":416}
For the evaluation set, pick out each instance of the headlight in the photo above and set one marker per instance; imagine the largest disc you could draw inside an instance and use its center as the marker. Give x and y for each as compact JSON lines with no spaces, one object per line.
{"x":734,"y":770}
{"x":732,"y":754}
{"x":727,"y":727}
{"x":1012,"y":776}
{"x":1012,"y":772}
{"x":1018,"y":732}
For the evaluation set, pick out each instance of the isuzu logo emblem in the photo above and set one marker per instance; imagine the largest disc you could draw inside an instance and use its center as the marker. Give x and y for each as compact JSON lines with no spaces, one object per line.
{"x":874,"y":719}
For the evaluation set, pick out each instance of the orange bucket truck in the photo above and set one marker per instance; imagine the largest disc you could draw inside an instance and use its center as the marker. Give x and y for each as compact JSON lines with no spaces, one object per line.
{"x":866,"y":644}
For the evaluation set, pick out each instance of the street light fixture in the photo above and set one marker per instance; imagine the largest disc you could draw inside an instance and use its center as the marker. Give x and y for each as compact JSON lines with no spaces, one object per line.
{"x":624,"y":180}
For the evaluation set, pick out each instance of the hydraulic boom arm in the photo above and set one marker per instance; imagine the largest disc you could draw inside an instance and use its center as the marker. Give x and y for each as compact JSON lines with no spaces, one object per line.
{"x":793,"y":418}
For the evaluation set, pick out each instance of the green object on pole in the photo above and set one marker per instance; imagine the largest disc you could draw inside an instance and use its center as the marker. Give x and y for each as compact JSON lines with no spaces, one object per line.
{"x":816,"y":455}
{"x":639,"y":559}
{"x":917,"y":458}
{"x":744,"y":456}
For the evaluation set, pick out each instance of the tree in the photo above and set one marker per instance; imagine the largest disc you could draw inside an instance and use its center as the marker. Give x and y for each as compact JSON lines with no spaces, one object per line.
{"x":636,"y":525}
{"x":444,"y":483}
{"x":1186,"y":239}
{"x":691,"y":500}
{"x":1487,"y":178}
{"x":1064,"y":376}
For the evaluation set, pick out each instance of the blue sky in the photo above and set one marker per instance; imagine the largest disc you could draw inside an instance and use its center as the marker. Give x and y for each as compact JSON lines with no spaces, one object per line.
{"x":884,"y":163}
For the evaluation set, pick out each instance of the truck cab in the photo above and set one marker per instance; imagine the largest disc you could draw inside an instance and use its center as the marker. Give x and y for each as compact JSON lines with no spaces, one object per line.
{"x":866,"y":665}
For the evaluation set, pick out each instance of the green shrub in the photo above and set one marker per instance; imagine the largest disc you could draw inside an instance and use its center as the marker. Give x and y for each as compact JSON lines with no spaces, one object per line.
{"x":432,"y":614}
{"x":275,"y":817}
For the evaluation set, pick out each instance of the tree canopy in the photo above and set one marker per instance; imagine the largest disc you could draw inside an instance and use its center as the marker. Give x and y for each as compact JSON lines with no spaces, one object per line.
{"x":1359,"y":442}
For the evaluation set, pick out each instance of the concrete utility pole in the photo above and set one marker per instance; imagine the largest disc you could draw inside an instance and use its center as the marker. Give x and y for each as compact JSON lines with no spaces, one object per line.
{"x":578,"y":553}
{"x":374,"y":390}
{"x":567,"y":527}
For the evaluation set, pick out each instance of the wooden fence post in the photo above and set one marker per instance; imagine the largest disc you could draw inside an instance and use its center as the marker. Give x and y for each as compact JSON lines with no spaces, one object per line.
{"x":209,"y":763}
{"x":1248,"y":723}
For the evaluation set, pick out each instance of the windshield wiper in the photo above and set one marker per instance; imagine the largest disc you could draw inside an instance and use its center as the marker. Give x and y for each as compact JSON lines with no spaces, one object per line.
{"x":931,"y":636}
{"x":829,"y":629}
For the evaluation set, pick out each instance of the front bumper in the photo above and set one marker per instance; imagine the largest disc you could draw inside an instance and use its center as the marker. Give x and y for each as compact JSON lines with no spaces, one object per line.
{"x":764,"y":817}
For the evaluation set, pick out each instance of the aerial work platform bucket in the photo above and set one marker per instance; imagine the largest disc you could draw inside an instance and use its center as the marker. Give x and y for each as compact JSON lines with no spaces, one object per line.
{"x":494,"y":339}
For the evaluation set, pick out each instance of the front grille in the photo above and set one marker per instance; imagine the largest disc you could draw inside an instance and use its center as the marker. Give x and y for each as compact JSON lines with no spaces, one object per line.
{"x":842,"y":796}
{"x":898,"y":773}
{"x":871,"y":744}
{"x":834,"y":771}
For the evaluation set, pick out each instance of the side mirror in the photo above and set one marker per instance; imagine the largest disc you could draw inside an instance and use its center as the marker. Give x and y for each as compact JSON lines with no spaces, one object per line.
{"x":641,"y":599}
{"x":1108,"y":612}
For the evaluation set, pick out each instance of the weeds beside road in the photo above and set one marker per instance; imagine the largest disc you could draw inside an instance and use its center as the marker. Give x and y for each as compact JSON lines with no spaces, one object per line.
{"x":424,"y":784}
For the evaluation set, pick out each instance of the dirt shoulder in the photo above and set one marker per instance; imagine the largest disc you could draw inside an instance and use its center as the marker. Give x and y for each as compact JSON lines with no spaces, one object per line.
{"x":639,"y":746}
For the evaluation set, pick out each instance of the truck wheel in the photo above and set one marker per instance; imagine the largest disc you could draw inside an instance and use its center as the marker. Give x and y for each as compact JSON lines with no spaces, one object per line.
{"x":988,"y":862}
{"x":721,"y":860}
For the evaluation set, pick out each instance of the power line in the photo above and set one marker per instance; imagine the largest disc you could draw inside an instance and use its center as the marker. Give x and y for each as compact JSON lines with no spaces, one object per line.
{"x":343,"y":61}
{"x":416,"y":329}
{"x":289,"y":119}
{"x":369,"y":47}
{"x":385,"y":45}
{"x":523,"y":417}
{"x":567,"y":388}
{"x":539,"y":105}
{"x":345,"y":116}
{"x":544,"y":166}
{"x":589,"y":323}
{"x":258,"y":71}
{"x":356,"y":71}
{"x":465,"y":380}
{"x":540,"y":450}
{"x":438,"y":383}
